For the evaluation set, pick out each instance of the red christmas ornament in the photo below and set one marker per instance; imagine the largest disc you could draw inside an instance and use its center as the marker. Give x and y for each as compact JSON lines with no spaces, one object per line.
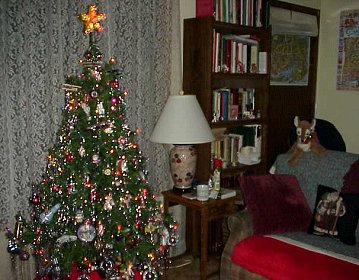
{"x":137,"y":275}
{"x":93,"y":195}
{"x":145,"y":192}
{"x":115,"y":84}
{"x":35,"y":199}
{"x":69,"y":157}
{"x":114,"y":100}
{"x":122,"y":140}
{"x":86,"y":98}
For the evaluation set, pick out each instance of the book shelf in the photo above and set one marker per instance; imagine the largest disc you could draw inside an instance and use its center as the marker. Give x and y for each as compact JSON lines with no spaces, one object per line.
{"x":201,"y":78}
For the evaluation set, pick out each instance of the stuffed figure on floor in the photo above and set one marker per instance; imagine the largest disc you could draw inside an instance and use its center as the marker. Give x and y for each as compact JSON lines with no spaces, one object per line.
{"x":307,"y":140}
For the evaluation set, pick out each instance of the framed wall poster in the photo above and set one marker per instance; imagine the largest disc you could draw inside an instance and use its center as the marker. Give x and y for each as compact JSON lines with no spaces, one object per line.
{"x":290,"y":60}
{"x":348,"y":51}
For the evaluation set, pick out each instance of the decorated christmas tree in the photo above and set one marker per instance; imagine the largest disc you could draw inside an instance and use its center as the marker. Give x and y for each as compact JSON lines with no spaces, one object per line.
{"x":94,"y":215}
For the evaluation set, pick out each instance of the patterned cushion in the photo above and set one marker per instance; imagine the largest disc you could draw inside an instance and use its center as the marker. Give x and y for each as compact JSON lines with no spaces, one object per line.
{"x":329,"y":206}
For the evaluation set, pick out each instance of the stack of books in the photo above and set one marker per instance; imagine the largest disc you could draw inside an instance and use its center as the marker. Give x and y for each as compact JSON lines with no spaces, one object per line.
{"x":241,"y":146}
{"x":233,"y":104}
{"x":235,"y":53}
{"x":243,"y":12}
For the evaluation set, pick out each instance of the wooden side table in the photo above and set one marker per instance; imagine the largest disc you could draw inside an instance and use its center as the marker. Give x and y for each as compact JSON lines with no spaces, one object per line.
{"x":210,"y":210}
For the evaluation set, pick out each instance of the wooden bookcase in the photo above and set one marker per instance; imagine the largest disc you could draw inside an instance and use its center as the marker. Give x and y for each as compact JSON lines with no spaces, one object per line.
{"x":199,"y":79}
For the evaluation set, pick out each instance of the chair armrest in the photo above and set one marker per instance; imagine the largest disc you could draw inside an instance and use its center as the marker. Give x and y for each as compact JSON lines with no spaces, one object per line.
{"x":240,"y":227}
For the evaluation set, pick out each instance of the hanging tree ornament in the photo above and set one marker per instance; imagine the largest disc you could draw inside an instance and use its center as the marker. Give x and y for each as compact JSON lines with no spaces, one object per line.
{"x":71,"y":185}
{"x":86,"y":232}
{"x":115,"y":84}
{"x":100,"y":110}
{"x":66,"y":238}
{"x":12,"y":246}
{"x":107,"y":171}
{"x":46,"y":217}
{"x":100,"y":228}
{"x":108,"y":128}
{"x":82,"y":151}
{"x":35,"y":198}
{"x":69,"y":157}
{"x":86,"y":109}
{"x":70,"y":88}
{"x":96,"y":159}
{"x":109,"y":203}
{"x":19,"y":226}
{"x":79,"y":216}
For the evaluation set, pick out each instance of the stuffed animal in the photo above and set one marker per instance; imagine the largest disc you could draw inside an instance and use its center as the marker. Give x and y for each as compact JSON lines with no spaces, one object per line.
{"x":307,"y":140}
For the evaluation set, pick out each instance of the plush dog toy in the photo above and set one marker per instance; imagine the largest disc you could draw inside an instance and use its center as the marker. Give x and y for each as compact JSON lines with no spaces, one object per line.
{"x":307,"y":140}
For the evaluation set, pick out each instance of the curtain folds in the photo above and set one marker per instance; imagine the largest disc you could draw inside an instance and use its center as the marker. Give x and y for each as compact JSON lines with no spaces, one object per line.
{"x":41,"y":42}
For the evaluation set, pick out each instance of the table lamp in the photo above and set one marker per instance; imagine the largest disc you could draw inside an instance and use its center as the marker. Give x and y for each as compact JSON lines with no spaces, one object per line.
{"x":183,"y":124}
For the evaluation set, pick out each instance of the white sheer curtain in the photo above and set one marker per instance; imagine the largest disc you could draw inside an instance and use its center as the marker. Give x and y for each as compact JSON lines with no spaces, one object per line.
{"x":40,"y":42}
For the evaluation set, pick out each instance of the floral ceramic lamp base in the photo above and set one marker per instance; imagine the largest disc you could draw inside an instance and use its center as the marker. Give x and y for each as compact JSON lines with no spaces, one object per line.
{"x":183,"y":159}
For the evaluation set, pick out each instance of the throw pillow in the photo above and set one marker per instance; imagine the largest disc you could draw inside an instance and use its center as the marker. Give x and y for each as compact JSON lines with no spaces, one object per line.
{"x":328,"y":208}
{"x":275,"y":203}
{"x":351,"y":179}
{"x":348,"y":223}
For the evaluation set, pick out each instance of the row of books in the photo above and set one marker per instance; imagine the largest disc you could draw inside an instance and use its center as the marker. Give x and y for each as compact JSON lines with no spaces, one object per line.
{"x":233,"y":104}
{"x":237,"y":54}
{"x":243,"y":12}
{"x":241,"y":145}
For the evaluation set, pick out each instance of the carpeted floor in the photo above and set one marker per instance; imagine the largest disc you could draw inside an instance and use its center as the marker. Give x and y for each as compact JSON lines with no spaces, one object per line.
{"x":187,"y":267}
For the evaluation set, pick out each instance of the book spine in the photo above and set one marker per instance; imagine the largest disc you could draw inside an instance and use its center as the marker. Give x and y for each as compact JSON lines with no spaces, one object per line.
{"x":245,"y":56}
{"x":254,"y":59}
{"x":262,"y":62}
{"x":233,"y":57}
{"x":204,"y":8}
{"x":243,"y":12}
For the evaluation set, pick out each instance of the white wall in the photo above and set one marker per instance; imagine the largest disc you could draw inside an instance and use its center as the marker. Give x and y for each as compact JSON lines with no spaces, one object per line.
{"x":339,"y":107}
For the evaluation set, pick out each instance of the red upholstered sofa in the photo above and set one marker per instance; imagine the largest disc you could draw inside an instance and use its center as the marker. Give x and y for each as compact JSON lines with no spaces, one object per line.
{"x":269,"y":239}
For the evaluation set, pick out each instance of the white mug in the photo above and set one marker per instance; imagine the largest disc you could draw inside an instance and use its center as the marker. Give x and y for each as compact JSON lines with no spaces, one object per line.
{"x":202,"y":192}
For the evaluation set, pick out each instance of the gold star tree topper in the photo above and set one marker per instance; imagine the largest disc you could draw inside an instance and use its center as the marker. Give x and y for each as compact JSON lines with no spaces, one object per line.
{"x":92,"y":20}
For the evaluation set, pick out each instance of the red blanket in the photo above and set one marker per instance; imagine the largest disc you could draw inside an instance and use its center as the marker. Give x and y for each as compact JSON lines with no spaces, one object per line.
{"x":275,"y":259}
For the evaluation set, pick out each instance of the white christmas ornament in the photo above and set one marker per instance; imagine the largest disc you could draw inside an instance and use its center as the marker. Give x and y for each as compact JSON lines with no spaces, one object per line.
{"x":46,"y":217}
{"x":66,"y":238}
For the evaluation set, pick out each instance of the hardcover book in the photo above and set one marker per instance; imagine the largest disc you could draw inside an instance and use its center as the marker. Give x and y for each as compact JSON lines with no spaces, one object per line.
{"x":204,"y":8}
{"x":227,"y":193}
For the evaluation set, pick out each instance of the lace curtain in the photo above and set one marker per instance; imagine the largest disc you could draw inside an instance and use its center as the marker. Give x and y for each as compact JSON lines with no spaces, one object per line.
{"x":40,"y":42}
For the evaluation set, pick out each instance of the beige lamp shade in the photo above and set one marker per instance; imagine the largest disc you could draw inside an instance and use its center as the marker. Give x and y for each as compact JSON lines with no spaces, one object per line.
{"x":182,"y":122}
